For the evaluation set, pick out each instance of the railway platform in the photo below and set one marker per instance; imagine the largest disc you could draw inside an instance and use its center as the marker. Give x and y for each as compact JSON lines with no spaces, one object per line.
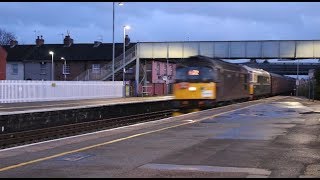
{"x":272,"y":137}
{"x":19,"y":117}
{"x":45,"y":106}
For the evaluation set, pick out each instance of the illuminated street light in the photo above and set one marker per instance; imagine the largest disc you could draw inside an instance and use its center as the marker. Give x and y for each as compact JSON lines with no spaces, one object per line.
{"x":52,"y":68}
{"x":65,"y":68}
{"x":113,"y":48}
{"x":124,"y":57}
{"x":297,"y":81}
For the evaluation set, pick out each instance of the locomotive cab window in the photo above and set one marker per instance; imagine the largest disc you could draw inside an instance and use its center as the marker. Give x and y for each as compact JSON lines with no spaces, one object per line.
{"x":181,"y":74}
{"x":194,"y":74}
{"x":263,"y":80}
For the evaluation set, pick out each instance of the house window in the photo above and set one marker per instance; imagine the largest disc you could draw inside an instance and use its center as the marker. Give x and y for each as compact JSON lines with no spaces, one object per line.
{"x":14,"y":69}
{"x":66,"y":69}
{"x":43,"y":68}
{"x":95,"y":68}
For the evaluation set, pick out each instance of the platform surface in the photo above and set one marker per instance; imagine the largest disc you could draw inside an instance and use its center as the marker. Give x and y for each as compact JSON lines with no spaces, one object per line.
{"x":274,"y":137}
{"x":29,"y":107}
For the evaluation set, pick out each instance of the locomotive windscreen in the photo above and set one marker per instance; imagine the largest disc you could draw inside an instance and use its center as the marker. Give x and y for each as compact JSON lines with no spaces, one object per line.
{"x":194,"y":74}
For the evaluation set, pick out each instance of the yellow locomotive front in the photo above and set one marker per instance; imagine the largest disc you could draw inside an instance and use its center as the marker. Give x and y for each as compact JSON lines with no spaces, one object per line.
{"x":194,"y":87}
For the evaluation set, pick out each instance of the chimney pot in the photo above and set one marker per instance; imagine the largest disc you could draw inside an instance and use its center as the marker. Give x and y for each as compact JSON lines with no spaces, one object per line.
{"x":39,"y":41}
{"x":96,"y":43}
{"x":68,"y":41}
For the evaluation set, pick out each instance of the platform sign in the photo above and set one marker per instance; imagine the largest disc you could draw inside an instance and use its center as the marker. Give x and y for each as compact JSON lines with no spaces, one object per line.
{"x":297,"y":82}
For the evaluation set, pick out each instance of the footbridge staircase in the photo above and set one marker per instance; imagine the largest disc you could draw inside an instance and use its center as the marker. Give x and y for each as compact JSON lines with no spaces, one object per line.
{"x":105,"y":72}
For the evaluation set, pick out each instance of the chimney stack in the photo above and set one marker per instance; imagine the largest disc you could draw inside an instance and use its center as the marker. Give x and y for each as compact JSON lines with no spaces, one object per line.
{"x":68,"y":41}
{"x":13,"y":43}
{"x":39,"y":41}
{"x":97,"y":43}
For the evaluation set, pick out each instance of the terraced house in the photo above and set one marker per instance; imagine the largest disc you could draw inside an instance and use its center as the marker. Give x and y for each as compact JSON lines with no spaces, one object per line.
{"x":33,"y":62}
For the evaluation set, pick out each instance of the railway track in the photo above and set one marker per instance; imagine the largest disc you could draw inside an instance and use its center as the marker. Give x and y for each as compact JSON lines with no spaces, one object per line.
{"x":32,"y":136}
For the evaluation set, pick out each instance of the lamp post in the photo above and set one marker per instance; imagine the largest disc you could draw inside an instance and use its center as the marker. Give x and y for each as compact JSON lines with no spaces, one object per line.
{"x":124,"y":59}
{"x":297,"y":82}
{"x":52,"y":68}
{"x":113,"y":48}
{"x":64,"y":68}
{"x":167,"y":81}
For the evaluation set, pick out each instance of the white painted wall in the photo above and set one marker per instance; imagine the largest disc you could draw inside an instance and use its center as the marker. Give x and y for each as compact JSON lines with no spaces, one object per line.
{"x":31,"y":91}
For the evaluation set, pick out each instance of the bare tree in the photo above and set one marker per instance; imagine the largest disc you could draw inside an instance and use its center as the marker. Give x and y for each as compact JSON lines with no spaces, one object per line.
{"x":6,"y":37}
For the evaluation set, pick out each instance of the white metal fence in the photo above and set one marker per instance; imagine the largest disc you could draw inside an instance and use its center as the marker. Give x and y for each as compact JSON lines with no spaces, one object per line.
{"x":30,"y":91}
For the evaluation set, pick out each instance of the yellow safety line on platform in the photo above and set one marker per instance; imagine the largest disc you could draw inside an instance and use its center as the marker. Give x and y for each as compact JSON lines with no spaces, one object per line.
{"x":113,"y":141}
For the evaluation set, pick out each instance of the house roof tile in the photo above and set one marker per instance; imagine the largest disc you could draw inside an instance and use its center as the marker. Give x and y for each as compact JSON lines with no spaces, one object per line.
{"x":76,"y":52}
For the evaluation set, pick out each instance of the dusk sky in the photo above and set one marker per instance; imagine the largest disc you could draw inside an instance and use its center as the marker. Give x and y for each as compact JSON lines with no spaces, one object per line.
{"x":162,"y":21}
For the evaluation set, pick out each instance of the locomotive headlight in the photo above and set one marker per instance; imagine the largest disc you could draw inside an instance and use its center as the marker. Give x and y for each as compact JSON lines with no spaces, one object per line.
{"x":192,"y":88}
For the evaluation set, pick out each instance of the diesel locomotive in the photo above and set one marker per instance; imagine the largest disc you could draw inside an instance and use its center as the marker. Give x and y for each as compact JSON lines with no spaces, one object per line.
{"x":202,"y":82}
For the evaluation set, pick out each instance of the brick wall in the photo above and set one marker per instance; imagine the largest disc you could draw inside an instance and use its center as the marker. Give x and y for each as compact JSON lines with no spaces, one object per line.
{"x":76,"y":68}
{"x":159,"y":69}
{"x":3,"y":62}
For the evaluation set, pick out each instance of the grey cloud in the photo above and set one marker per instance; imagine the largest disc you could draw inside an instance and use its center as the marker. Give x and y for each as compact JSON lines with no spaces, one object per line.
{"x":48,"y":14}
{"x":258,"y":11}
{"x":163,"y":21}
